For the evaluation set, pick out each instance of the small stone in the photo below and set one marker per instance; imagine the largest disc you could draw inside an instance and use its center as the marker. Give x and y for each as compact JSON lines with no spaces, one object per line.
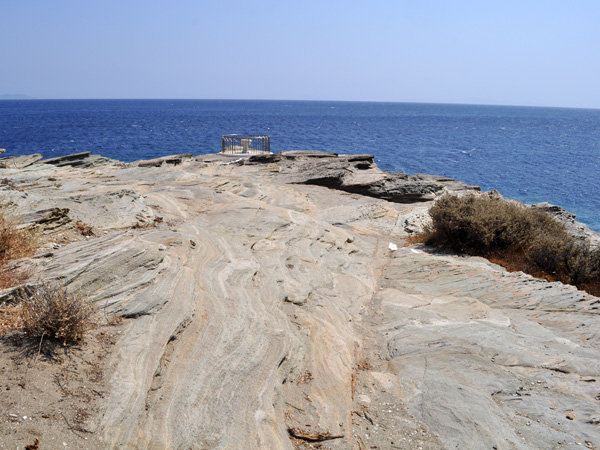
{"x":570,"y":415}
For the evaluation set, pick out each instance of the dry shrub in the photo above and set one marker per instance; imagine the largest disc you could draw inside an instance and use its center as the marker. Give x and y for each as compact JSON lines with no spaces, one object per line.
{"x":15,"y":243}
{"x":518,"y":237}
{"x":483,"y":225}
{"x":84,"y":228}
{"x":52,"y":312}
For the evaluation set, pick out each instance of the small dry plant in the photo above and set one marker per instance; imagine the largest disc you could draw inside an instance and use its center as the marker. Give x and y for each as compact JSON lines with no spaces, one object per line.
{"x":84,"y":228}
{"x":15,"y":243}
{"x":53,"y":313}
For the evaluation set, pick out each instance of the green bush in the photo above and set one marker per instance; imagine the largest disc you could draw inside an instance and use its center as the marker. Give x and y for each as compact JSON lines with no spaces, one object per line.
{"x":517,"y":236}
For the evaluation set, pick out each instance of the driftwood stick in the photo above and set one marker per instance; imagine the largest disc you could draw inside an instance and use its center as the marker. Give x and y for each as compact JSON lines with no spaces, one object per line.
{"x":312,"y":437}
{"x":295,"y":407}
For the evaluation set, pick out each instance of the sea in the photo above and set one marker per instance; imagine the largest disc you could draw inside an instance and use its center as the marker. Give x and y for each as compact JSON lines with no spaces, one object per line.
{"x":531,"y":154}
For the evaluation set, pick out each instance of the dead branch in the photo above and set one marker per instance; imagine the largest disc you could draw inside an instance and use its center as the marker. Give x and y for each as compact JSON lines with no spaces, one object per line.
{"x":360,"y":441}
{"x":312,"y":437}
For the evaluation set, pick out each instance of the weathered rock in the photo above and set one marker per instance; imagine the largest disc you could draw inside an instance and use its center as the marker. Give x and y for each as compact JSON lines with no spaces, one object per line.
{"x":367,"y":157}
{"x":266,"y":158}
{"x":416,"y":222}
{"x":19,"y":162}
{"x":81,"y":160}
{"x":49,"y":219}
{"x":448,"y":183}
{"x":306,"y":154}
{"x":358,"y":174}
{"x":150,"y":163}
{"x":157,"y":162}
{"x":68,"y":159}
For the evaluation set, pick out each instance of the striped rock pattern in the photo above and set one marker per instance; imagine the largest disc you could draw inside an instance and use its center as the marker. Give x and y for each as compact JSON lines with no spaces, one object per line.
{"x":266,"y":315}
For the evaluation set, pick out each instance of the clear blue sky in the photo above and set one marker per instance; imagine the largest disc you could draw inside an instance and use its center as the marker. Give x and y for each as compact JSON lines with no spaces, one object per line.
{"x":519,"y":52}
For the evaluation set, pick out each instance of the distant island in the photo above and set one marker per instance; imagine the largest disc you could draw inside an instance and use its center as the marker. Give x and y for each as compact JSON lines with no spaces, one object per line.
{"x":15,"y":97}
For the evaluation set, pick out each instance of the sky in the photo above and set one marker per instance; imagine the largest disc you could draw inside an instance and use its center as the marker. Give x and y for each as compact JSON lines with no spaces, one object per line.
{"x":502,"y":52}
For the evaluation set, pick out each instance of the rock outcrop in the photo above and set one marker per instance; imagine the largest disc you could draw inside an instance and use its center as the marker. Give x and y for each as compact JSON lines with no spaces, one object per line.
{"x":264,"y":308}
{"x":360,"y":175}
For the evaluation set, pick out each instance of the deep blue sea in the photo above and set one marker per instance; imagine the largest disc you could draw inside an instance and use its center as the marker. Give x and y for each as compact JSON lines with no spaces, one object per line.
{"x":526,"y":153}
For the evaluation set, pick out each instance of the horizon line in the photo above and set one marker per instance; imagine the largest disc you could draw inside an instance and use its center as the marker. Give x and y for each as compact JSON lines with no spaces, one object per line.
{"x":7,"y":97}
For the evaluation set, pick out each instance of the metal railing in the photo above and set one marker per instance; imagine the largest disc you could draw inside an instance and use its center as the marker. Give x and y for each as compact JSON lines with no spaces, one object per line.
{"x":246,"y":144}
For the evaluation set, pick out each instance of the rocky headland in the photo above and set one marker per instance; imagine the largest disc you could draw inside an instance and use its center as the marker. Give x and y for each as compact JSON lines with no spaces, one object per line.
{"x":273,"y":302}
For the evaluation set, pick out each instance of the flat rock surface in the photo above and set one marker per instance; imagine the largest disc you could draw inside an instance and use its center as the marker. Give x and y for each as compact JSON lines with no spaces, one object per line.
{"x":261,"y":311}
